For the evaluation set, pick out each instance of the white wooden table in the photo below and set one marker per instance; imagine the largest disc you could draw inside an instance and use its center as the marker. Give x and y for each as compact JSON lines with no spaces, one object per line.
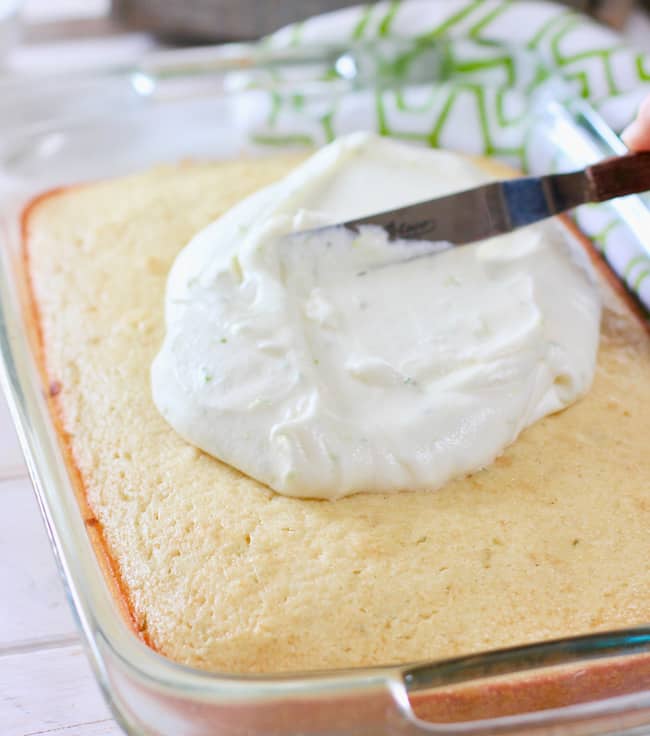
{"x":46,"y":686}
{"x":45,"y":682}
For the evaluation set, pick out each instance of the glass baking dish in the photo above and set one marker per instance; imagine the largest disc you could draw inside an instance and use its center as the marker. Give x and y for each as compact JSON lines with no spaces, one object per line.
{"x":79,"y":129}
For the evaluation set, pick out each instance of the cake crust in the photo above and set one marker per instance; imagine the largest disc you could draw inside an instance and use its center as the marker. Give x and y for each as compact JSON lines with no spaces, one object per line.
{"x":218,"y":572}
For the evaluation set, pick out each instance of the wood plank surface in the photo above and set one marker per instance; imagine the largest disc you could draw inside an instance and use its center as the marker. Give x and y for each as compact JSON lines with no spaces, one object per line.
{"x":51,"y":691}
{"x":33,"y":610}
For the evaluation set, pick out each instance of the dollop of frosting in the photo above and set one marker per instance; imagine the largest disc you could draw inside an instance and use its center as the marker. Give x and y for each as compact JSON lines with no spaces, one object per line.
{"x":330,"y":363}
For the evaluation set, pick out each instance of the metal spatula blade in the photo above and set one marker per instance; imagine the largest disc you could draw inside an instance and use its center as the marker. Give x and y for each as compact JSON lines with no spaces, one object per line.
{"x":500,"y":207}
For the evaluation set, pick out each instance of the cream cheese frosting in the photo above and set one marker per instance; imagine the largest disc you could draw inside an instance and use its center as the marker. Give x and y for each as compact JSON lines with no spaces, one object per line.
{"x":330,"y":363}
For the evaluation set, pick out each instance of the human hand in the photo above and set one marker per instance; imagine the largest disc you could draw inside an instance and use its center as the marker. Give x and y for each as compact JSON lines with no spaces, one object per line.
{"x":637,"y":135}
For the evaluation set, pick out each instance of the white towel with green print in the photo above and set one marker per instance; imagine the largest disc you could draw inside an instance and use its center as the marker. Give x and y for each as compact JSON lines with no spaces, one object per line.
{"x":495,"y":58}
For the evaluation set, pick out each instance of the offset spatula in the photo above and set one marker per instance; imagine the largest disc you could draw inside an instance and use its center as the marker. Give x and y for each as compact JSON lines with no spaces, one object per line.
{"x":499,"y":207}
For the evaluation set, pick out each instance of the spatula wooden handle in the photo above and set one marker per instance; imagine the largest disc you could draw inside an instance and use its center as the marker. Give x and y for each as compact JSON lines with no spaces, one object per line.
{"x":620,"y":175}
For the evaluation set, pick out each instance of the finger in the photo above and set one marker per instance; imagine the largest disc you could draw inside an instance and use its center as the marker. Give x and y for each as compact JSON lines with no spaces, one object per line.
{"x":637,"y":135}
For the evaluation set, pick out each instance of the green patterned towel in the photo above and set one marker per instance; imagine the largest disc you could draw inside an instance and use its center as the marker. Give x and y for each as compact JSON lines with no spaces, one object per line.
{"x":461,"y":74}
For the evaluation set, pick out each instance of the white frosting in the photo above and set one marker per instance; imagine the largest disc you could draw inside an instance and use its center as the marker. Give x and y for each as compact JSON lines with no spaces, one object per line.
{"x":329,"y":364}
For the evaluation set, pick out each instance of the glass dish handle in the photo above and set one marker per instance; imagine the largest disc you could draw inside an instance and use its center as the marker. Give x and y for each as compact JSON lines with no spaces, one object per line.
{"x":530,"y":682}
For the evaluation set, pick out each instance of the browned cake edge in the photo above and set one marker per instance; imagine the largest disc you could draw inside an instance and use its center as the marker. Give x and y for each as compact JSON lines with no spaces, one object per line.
{"x":51,"y":391}
{"x":507,"y":696}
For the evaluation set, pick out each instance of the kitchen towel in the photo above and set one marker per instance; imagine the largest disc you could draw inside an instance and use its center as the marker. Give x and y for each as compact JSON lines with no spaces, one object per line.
{"x":493,"y":62}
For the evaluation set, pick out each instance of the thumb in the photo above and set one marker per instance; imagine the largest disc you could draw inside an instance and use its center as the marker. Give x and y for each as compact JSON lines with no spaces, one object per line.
{"x":637,"y":135}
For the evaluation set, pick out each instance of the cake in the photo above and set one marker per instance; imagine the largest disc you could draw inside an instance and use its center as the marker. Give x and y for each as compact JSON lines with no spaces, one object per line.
{"x":218,"y":572}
